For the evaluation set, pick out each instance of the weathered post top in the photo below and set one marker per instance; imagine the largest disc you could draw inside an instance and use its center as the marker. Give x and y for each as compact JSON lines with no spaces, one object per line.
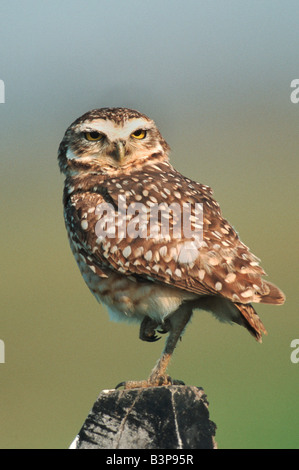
{"x":168,"y":417}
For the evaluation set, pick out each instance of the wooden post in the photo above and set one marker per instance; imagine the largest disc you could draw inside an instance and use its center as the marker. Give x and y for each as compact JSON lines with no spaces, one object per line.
{"x":168,"y":417}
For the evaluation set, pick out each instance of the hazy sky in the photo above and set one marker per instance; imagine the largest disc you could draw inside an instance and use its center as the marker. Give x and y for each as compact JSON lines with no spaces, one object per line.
{"x":60,"y":55}
{"x":174,"y":60}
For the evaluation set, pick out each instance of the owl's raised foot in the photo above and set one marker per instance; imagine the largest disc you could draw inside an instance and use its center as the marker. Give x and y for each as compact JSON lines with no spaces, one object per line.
{"x":164,"y":327}
{"x":149,"y":327}
{"x":147,"y":330}
{"x":162,"y":380}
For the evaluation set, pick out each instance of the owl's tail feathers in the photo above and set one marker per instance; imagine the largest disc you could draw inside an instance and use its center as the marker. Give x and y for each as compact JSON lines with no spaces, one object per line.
{"x":273,"y":295}
{"x":251,"y":321}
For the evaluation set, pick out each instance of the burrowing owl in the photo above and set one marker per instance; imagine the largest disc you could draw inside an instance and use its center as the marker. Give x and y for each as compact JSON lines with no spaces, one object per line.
{"x":126,"y":209}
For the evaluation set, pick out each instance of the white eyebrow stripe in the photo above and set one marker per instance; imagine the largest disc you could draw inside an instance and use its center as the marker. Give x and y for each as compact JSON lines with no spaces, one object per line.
{"x":112,"y":130}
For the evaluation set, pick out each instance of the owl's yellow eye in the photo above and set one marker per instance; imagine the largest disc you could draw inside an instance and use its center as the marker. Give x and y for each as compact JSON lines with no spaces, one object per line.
{"x":139,"y":134}
{"x":93,"y":136}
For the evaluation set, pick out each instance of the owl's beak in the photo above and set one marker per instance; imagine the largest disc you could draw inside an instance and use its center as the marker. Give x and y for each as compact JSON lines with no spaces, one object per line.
{"x":119,"y":150}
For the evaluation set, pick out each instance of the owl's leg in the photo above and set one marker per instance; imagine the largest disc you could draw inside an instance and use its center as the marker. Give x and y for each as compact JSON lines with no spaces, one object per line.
{"x":177,"y":324}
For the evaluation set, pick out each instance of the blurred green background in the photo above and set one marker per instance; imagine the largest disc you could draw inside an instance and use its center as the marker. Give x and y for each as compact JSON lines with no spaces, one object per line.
{"x":215,"y":76}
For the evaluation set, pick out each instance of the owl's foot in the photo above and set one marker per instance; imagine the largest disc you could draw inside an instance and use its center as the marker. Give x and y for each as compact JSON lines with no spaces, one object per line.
{"x":164,"y":327}
{"x":159,"y":381}
{"x":148,"y":329}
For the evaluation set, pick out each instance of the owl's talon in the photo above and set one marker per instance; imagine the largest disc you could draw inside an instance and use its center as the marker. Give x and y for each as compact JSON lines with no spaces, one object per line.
{"x":152,"y":339}
{"x":177,"y":382}
{"x":121,"y":384}
{"x":163,"y":380}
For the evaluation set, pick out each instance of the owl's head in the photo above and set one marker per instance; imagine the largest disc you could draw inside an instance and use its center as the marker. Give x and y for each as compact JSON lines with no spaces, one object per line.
{"x":107,"y":140}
